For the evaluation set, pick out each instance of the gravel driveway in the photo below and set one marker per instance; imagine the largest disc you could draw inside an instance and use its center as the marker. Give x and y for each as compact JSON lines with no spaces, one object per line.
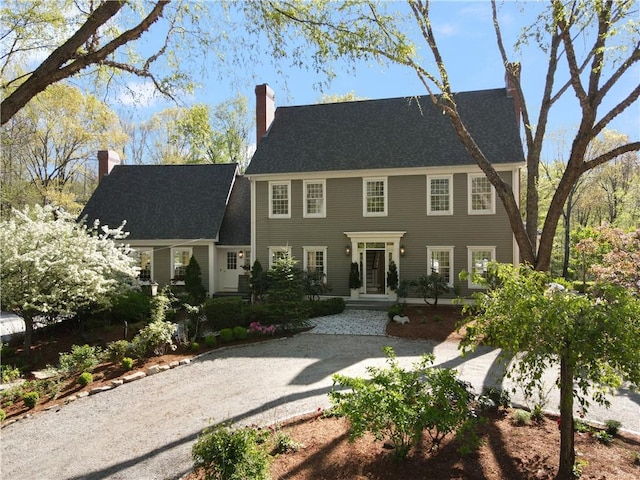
{"x":145,"y":429}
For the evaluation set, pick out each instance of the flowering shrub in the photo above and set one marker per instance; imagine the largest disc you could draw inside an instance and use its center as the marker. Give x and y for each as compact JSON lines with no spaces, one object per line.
{"x":258,"y":328}
{"x":155,"y":337}
{"x":81,"y":359}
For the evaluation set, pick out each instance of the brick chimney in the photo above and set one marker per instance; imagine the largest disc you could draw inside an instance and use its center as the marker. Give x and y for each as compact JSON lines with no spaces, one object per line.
{"x":513,"y":70}
{"x":107,"y":159}
{"x":265,"y":110}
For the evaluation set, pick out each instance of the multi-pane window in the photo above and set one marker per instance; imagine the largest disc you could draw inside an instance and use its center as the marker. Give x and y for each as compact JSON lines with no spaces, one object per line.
{"x":146,"y":261}
{"x":232,"y":260}
{"x":314,"y":259}
{"x":314,"y":198}
{"x":180,"y":259}
{"x":375,"y":197}
{"x":479,"y":258}
{"x":279,"y":199}
{"x":481,"y":195}
{"x":440,"y":260}
{"x":439,"y":195}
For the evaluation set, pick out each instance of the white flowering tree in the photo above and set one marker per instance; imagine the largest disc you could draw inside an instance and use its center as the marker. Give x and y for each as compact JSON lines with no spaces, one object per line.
{"x":52,"y":265}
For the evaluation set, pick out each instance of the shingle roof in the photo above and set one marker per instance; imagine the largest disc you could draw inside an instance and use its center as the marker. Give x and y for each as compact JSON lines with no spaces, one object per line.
{"x":163,"y":201}
{"x":236,"y":225}
{"x":389,"y":133}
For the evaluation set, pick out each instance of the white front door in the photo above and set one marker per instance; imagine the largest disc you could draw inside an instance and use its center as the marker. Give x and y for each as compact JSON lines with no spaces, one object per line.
{"x":230,"y":268}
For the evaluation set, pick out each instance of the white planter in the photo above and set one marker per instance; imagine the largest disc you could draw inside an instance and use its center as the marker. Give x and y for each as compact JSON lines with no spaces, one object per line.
{"x":355,"y":293}
{"x":393,"y":296}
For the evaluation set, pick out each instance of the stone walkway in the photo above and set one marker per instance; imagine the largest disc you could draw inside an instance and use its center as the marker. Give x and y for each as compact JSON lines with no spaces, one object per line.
{"x":351,"y":322}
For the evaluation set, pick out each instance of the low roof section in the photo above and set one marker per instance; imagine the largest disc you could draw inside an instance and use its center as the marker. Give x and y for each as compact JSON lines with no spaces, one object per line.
{"x":403,"y":132}
{"x":164,"y":201}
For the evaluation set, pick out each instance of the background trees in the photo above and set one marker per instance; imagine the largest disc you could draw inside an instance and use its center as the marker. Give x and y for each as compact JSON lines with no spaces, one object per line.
{"x":53,"y":266}
{"x":49,"y":146}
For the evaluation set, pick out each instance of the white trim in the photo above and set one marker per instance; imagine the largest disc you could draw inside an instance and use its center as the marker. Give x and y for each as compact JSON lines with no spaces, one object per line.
{"x":387,"y":172}
{"x":279,"y":249}
{"x":253,"y":224}
{"x":440,"y":177}
{"x":212,"y":268}
{"x":515,"y":186}
{"x":365,"y":181}
{"x":487,"y":211}
{"x":476,"y":248}
{"x":322,"y":249}
{"x":280,"y":215}
{"x":437,"y":248}
{"x":323,"y":209}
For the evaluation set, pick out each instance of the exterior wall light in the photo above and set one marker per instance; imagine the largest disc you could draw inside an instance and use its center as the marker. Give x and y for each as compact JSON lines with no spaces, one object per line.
{"x":347,"y":250}
{"x":402,"y":251}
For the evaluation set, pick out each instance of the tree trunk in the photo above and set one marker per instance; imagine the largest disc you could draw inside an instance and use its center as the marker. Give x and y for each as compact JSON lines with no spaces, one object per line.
{"x":567,"y":450}
{"x":28,"y":334}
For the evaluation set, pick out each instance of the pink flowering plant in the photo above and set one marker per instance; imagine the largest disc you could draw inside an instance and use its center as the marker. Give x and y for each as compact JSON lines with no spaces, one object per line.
{"x":258,"y":328}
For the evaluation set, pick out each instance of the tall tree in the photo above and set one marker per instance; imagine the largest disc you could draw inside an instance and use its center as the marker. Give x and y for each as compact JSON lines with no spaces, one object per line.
{"x":52,"y":265}
{"x":609,"y":51}
{"x":104,"y":38}
{"x":49,"y":145}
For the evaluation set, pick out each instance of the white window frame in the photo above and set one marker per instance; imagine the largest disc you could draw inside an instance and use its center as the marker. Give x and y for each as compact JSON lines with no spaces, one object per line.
{"x":277,"y":250}
{"x":280,"y":215}
{"x":140,"y":251}
{"x":485,"y":211}
{"x":307,"y":250}
{"x":172,"y":265}
{"x":430,"y":210}
{"x":365,"y":211}
{"x":431,"y":249}
{"x":470,"y":251}
{"x":323,"y":206}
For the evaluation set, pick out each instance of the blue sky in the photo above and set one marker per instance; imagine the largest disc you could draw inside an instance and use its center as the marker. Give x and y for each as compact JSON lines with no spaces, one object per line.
{"x":467,"y":41}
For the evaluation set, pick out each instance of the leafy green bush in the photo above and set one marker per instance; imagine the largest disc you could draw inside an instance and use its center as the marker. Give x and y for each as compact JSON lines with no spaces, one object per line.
{"x":193,"y":282}
{"x":328,"y":306}
{"x":9,"y":373}
{"x":160,"y":306}
{"x":85,"y":379}
{"x":194,"y":346}
{"x":81,"y":359}
{"x":283,"y":443}
{"x":155,"y":337}
{"x":118,"y":350}
{"x":127,"y":363}
{"x":257,"y":312}
{"x":227,"y":454}
{"x":132,"y":306}
{"x":226,"y":335}
{"x":239,"y":333}
{"x":30,"y":399}
{"x":400,"y":405}
{"x":603,"y":437}
{"x":3,"y":415}
{"x":226,"y":312}
{"x":612,"y":427}
{"x":394,"y":310}
{"x":314,"y":285}
{"x":431,"y":286}
{"x":292,"y":315}
{"x":210,"y":341}
{"x":521,"y":417}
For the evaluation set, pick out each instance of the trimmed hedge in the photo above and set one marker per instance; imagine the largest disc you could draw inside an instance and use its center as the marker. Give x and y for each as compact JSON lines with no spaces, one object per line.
{"x":225,"y":312}
{"x":330,"y":306}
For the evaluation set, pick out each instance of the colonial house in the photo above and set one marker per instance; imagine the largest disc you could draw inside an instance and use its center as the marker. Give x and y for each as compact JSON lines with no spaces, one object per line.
{"x":384,"y":180}
{"x":174,"y":212}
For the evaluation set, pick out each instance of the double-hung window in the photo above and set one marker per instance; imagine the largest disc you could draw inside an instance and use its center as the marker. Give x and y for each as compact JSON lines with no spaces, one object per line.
{"x":279,"y":199}
{"x":315,"y":259}
{"x":146,"y":265}
{"x":440,"y":195}
{"x":375,"y":197}
{"x":479,"y":258}
{"x":440,"y":261}
{"x":482,"y":198}
{"x":180,"y":257}
{"x":314,"y":198}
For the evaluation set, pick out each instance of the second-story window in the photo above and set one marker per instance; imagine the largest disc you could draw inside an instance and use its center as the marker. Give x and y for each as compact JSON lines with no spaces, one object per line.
{"x":280,"y":199}
{"x":375,"y":196}
{"x":314,"y":198}
{"x":439,"y":195}
{"x":481,"y":195}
